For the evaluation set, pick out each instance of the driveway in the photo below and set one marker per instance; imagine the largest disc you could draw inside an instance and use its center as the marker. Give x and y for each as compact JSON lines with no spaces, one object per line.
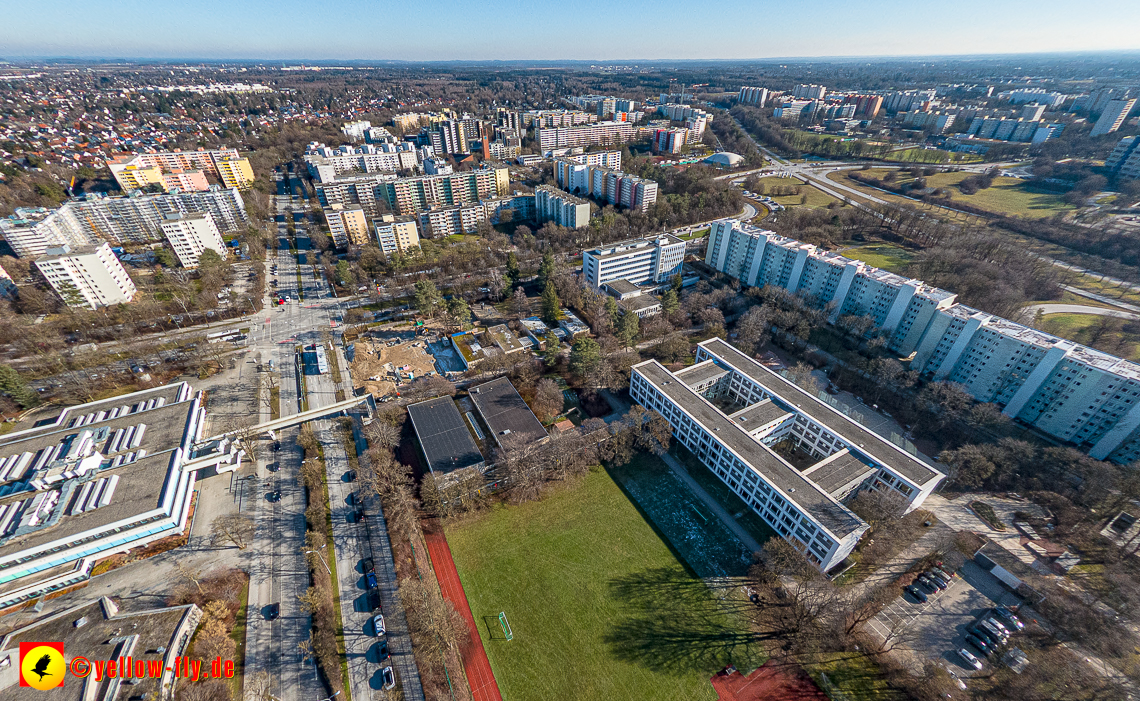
{"x":1032,"y":310}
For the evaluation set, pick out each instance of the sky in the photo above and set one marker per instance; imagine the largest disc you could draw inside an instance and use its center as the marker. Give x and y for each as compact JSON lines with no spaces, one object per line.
{"x":604,"y":30}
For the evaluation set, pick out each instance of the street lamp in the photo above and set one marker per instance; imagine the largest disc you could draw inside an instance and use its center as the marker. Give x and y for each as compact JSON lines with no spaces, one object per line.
{"x":317,"y":552}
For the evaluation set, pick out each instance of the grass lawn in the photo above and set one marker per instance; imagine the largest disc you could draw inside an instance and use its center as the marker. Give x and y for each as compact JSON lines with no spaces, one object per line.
{"x":1077,"y":327}
{"x":585,"y":581}
{"x":845,"y":676}
{"x":815,"y":197}
{"x":917,"y":156}
{"x":749,"y":519}
{"x":881,"y":255}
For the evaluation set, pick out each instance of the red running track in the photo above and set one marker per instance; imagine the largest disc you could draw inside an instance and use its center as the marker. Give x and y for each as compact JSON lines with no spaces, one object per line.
{"x":475,"y":662}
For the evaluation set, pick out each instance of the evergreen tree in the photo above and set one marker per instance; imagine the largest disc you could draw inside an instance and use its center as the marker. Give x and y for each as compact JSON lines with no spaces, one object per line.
{"x":513,"y":272}
{"x":669,"y":301}
{"x":13,"y":385}
{"x":585,"y":357}
{"x":546,"y":269}
{"x":628,"y":328}
{"x":427,"y":298}
{"x":551,"y":306}
{"x":612,"y":311}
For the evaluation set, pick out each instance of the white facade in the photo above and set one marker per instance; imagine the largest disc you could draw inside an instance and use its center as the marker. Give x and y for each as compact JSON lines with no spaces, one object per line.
{"x":89,"y":277}
{"x":325,"y":163}
{"x":133,"y":219}
{"x":584,"y":135}
{"x":1077,"y":394}
{"x":753,"y":96}
{"x":191,"y":234}
{"x":637,"y":261}
{"x":562,"y":208}
{"x":1115,"y":112}
{"x":1125,"y":158}
{"x":805,"y":507}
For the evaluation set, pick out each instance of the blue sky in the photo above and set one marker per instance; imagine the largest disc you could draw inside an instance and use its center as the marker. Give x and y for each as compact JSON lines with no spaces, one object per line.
{"x":568,"y":29}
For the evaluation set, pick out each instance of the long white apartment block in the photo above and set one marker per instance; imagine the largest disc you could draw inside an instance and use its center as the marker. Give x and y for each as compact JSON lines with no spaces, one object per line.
{"x":1074,"y":393}
{"x":325,"y":163}
{"x":584,"y":135}
{"x":136,"y":218}
{"x":90,"y":276}
{"x":729,"y":410}
{"x":654,"y":259}
{"x":191,"y":234}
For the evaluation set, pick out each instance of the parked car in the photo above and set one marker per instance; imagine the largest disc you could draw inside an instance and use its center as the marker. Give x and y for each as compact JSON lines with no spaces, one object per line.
{"x":970,"y":659}
{"x":370,"y":580}
{"x":373,"y":599}
{"x":378,"y":624}
{"x":983,"y":646}
{"x":938,"y":578}
{"x":272,"y":611}
{"x":383,"y":650}
{"x":389,"y":678}
{"x":993,"y":621}
{"x":1008,"y":617}
{"x":986,"y":634}
{"x":930,"y":583}
{"x":945,"y":574}
{"x":916,"y":593}
{"x":366,"y":565}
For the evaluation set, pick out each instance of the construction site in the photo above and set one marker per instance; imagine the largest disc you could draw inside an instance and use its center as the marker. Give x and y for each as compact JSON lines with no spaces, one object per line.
{"x":383,"y":364}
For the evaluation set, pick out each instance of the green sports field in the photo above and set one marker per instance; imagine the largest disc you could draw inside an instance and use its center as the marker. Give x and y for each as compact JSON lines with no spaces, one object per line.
{"x":601,"y":606}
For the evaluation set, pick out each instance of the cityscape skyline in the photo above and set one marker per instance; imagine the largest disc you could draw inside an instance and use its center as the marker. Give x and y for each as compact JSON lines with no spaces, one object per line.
{"x":213,"y":30}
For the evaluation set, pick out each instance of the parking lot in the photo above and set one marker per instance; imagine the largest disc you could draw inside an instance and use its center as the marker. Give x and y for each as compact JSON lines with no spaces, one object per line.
{"x":937,"y":629}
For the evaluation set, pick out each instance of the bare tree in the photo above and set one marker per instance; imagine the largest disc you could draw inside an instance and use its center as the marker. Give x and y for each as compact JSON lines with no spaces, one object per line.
{"x":232,"y":528}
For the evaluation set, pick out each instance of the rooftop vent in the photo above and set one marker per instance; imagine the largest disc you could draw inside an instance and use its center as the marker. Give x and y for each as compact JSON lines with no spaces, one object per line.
{"x":80,"y":622}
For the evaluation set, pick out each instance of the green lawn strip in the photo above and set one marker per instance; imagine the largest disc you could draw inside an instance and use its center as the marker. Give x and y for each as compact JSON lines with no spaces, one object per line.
{"x":844,"y":675}
{"x":986,"y":512}
{"x":600,"y":606}
{"x":1076,"y":327}
{"x":334,"y":364}
{"x":749,"y":520}
{"x":815,"y":197}
{"x":881,"y":255}
{"x":237,"y":633}
{"x":274,"y":403}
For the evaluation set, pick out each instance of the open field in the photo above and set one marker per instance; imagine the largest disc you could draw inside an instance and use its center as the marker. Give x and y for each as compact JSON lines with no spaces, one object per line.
{"x":881,"y":255}
{"x":917,"y":156}
{"x":815,"y":197}
{"x":1007,"y":196}
{"x":1079,"y":328}
{"x":584,"y":580}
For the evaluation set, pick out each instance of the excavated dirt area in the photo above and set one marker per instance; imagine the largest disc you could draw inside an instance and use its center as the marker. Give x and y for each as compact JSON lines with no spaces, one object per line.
{"x":383,"y":368}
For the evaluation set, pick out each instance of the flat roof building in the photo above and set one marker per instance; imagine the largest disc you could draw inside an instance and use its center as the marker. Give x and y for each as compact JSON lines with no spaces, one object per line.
{"x":513,"y":425}
{"x":444,"y":437}
{"x":190,"y":234}
{"x":806,"y":505}
{"x":100,"y":630}
{"x":97,"y":480}
{"x":637,"y":260}
{"x":89,"y":276}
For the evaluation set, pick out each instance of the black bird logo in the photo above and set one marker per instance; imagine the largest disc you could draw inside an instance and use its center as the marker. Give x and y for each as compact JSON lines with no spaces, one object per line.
{"x":41,"y":667}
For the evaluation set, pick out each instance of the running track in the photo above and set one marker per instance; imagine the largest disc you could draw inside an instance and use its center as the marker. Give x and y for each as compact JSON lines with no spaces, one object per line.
{"x":475,"y":662}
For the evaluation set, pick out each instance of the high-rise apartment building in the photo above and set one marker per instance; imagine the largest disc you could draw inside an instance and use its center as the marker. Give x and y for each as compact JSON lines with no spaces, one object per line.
{"x":753,"y":96}
{"x":604,"y":184}
{"x":396,"y":234}
{"x":655,"y":260}
{"x":325,"y":164}
{"x":1114,"y":114}
{"x":348,"y":225}
{"x":1074,"y":393}
{"x":1124,"y":161}
{"x":809,"y":92}
{"x":585,"y":135}
{"x":865,"y":105}
{"x":453,"y":135}
{"x":562,"y":208}
{"x":136,"y":171}
{"x":356,"y":130}
{"x":88,"y":276}
{"x":805,"y":504}
{"x":191,"y":234}
{"x":414,"y":195}
{"x":134,"y":219}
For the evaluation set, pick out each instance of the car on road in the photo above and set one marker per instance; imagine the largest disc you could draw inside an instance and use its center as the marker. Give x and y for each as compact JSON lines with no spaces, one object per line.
{"x":370,"y":580}
{"x":366,"y":565}
{"x":389,"y":678}
{"x":350,"y":476}
{"x":916,"y":593}
{"x":969,"y":658}
{"x":984,"y":646}
{"x":1008,"y":617}
{"x":272,"y":611}
{"x":382,"y":651}
{"x":274,"y":496}
{"x":378,"y":624}
{"x":373,"y":599}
